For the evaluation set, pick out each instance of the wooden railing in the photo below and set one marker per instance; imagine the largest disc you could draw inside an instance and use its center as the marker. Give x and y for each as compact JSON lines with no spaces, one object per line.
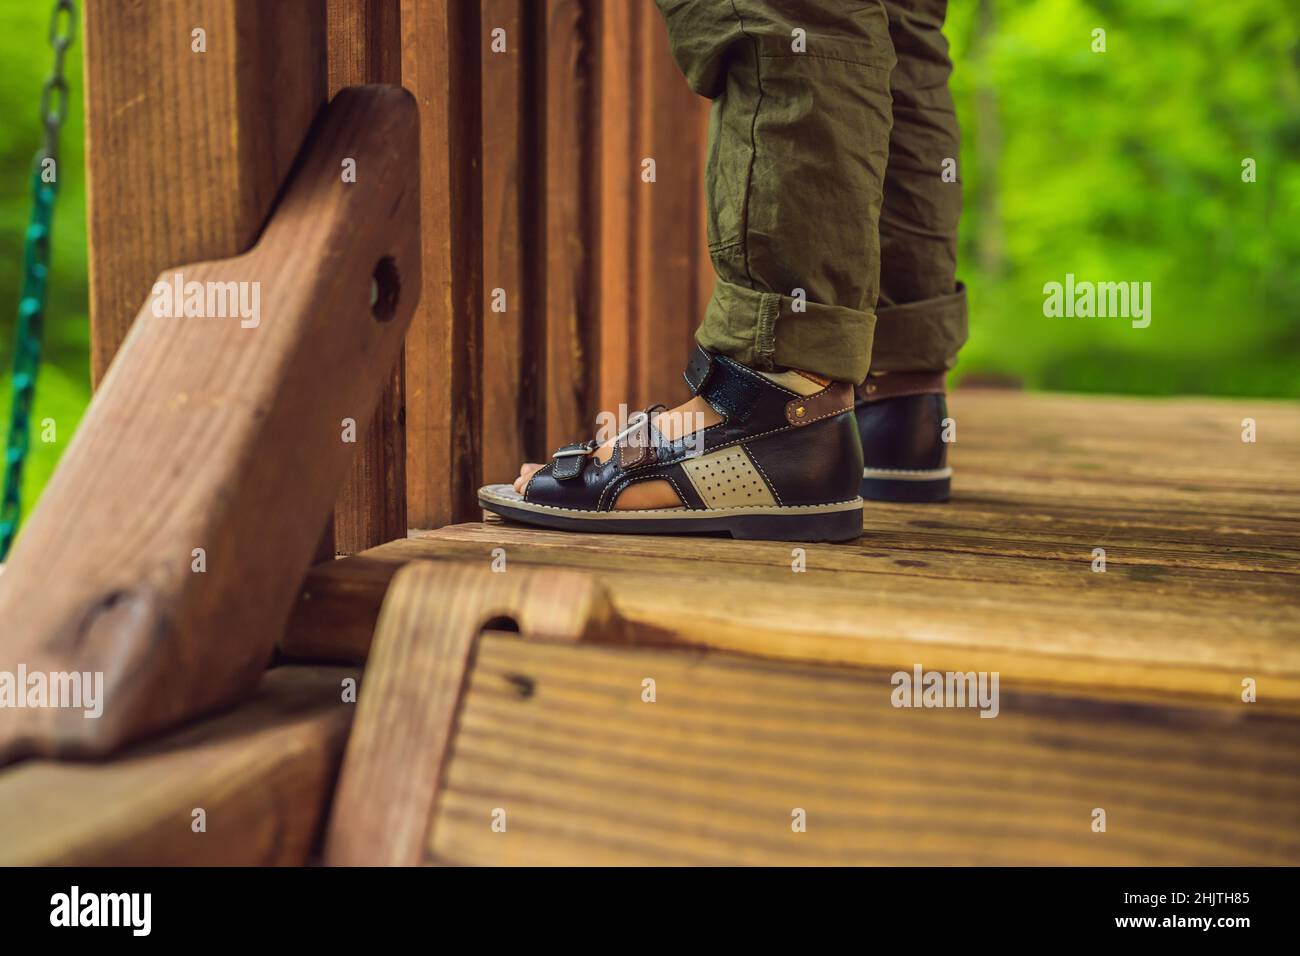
{"x":557,"y":280}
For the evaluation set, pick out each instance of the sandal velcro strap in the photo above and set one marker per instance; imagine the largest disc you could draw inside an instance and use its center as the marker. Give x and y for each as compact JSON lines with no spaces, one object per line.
{"x":721,"y":382}
{"x":570,"y":459}
{"x":731,"y":390}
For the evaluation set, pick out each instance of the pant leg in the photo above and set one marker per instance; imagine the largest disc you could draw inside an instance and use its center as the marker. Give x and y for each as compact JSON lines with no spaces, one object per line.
{"x":921,"y":314}
{"x":798,"y":144}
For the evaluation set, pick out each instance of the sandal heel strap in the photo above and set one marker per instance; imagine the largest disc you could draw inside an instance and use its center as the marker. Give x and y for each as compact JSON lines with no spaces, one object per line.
{"x":698,"y":368}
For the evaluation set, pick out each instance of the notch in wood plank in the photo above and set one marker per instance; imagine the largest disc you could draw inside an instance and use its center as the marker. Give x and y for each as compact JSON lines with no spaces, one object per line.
{"x":168,"y":549}
{"x":414,"y":680}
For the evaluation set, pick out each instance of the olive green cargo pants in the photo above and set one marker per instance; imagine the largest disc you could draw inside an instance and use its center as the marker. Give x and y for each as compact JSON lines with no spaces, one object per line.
{"x":831,"y":223}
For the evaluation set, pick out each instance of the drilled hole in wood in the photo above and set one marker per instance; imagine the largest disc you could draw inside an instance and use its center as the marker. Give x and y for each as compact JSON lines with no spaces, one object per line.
{"x":385,"y":285}
{"x":501,"y":623}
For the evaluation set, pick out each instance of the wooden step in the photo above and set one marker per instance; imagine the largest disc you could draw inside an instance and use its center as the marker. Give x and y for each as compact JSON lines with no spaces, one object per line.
{"x":553,"y":746}
{"x":262,"y":773}
{"x":560,"y":742}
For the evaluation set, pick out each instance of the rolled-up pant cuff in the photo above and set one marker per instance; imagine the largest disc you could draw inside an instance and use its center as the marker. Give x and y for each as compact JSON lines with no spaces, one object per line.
{"x":765,"y":330}
{"x":920,"y":336}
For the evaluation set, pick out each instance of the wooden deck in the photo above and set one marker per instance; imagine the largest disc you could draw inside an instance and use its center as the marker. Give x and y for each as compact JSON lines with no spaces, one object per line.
{"x":1120,"y":690}
{"x":1201,"y":534}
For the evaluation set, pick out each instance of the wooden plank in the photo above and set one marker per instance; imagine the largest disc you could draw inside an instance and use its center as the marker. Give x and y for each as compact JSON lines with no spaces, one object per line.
{"x":670,"y":233}
{"x":572,"y":258}
{"x":655,"y":275}
{"x":406,"y":721}
{"x":365,"y":44}
{"x":558,"y":748}
{"x":262,"y":774}
{"x":443,"y":388}
{"x":1196,"y":596}
{"x":338,"y":609}
{"x":512,"y":274}
{"x":220,"y":434}
{"x":184,"y":158}
{"x":621,"y":105}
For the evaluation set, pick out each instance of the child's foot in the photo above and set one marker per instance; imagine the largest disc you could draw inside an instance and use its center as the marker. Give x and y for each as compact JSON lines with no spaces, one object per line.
{"x":753,"y":455}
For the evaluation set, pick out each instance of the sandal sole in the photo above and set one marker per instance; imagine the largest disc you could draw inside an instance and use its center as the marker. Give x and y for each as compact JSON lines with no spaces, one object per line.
{"x":916,"y":487}
{"x":841,"y":521}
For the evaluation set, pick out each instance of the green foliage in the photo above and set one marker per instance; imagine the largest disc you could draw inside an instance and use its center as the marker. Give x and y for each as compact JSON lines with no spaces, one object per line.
{"x":1127,"y":165}
{"x":64,"y":385}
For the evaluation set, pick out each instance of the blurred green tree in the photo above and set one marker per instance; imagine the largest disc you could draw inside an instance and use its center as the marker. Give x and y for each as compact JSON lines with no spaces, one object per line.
{"x":1127,"y":166}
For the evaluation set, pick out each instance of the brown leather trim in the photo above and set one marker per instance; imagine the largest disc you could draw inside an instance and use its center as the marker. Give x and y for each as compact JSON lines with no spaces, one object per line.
{"x":832,"y":400}
{"x":630,"y":456}
{"x":896,"y":384}
{"x":637,"y":448}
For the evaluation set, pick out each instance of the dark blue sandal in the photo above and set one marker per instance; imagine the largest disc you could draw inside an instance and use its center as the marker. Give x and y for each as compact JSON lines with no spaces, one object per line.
{"x":781,"y":465}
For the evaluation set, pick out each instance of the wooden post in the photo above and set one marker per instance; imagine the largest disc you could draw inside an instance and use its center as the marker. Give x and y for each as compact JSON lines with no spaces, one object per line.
{"x":512,"y":262}
{"x":655,"y":275}
{"x":194,"y":113}
{"x":672,"y":259}
{"x":621,"y":72}
{"x":572,"y":261}
{"x":440,"y":65}
{"x":364,"y":38}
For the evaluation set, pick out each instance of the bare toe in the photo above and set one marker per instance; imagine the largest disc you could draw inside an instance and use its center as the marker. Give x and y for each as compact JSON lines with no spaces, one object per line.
{"x":526,"y":472}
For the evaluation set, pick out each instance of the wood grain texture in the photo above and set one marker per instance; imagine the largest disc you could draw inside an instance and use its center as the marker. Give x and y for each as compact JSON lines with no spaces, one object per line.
{"x":406,"y":720}
{"x":513,"y":104}
{"x":208,"y":434}
{"x":561,"y":741}
{"x":365,"y":42}
{"x":1201,"y":532}
{"x":572,"y":254}
{"x":262,"y":773}
{"x":365,"y":46}
{"x":184,"y":157}
{"x":441,"y":66}
{"x":655,"y":274}
{"x":621,"y":105}
{"x":335,"y":616}
{"x":671,"y":246}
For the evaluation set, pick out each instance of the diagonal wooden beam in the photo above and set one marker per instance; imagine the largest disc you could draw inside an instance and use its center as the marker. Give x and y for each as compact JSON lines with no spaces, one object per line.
{"x":168,"y":548}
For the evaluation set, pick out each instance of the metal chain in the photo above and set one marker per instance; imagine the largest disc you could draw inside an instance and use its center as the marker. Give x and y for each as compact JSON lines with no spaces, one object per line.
{"x":36,"y":271}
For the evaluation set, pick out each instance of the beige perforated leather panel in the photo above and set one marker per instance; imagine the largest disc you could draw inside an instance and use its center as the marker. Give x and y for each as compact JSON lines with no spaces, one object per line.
{"x":727,"y":479}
